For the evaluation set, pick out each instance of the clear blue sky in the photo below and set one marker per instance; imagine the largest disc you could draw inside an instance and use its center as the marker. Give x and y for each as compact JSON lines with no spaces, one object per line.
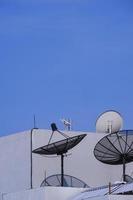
{"x":65,"y":58}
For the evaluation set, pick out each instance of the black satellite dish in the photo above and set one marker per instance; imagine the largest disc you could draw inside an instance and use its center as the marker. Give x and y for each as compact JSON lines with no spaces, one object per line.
{"x":116,"y":149}
{"x":128,"y":179}
{"x":60,"y":147}
{"x":69,"y":181}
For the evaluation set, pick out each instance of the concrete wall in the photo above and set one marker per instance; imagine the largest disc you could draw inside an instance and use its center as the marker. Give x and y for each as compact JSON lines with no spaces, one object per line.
{"x":52,"y":193}
{"x":47,"y":193}
{"x":120,"y":197}
{"x":1,"y":196}
{"x":37,"y":194}
{"x":14,"y":162}
{"x":113,"y":197}
{"x":100,"y":198}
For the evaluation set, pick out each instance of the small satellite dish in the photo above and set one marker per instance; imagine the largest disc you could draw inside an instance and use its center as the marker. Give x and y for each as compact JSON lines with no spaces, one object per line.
{"x":69,"y":181}
{"x":109,"y":122}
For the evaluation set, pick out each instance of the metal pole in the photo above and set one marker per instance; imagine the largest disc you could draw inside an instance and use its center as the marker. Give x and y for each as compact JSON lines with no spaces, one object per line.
{"x":124,"y":168}
{"x":109,"y":187}
{"x":31,"y":158}
{"x":31,"y":133}
{"x":62,"y":170}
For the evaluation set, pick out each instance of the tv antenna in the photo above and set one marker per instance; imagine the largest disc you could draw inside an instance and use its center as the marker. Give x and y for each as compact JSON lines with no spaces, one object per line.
{"x":60,"y":147}
{"x":116,"y":149}
{"x":109,"y":122}
{"x":67,"y":124}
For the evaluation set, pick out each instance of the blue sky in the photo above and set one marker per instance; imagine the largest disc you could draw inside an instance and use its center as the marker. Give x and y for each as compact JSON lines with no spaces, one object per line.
{"x":65,"y":58}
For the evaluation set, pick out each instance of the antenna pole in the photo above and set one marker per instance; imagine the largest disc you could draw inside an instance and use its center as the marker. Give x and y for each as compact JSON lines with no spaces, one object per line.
{"x":31,"y":157}
{"x":45,"y":176}
{"x":34,"y":121}
{"x":62,"y":170}
{"x":109,"y":187}
{"x":124,"y":168}
{"x":69,"y":126}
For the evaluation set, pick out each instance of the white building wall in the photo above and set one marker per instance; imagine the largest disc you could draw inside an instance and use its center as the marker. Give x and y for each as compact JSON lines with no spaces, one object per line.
{"x":14,"y":162}
{"x":57,"y":193}
{"x":100,"y":198}
{"x":120,"y":197}
{"x":37,"y":194}
{"x":113,"y":197}
{"x":47,"y":193}
{"x":1,"y":196}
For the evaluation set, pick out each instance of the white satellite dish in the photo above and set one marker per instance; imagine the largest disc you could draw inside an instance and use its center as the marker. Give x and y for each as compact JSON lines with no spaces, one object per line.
{"x":109,"y":122}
